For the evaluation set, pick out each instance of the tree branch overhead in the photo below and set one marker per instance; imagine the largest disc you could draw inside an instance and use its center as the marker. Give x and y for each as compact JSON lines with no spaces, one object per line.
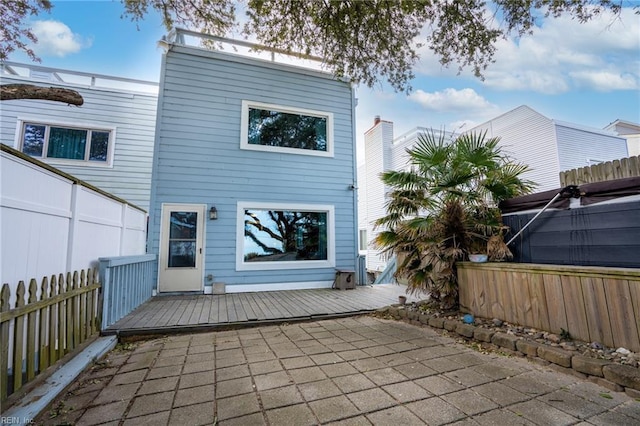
{"x":10,"y":92}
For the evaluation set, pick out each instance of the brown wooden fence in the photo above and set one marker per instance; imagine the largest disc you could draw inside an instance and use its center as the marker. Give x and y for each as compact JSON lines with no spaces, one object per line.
{"x":591,"y":303}
{"x":55,"y":318}
{"x":616,"y":169}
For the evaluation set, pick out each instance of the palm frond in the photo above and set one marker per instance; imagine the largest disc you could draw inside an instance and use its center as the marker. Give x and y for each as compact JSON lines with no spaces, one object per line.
{"x":439,"y":209}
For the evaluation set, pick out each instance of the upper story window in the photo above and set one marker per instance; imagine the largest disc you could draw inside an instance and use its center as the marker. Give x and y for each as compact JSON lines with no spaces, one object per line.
{"x":66,"y":143}
{"x":275,"y":128}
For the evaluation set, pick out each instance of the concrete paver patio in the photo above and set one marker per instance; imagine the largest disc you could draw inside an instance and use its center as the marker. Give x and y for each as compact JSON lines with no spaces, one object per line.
{"x":350,"y":371}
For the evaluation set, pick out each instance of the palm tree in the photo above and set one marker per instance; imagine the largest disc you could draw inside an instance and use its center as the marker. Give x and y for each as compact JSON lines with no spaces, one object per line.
{"x":444,"y":206}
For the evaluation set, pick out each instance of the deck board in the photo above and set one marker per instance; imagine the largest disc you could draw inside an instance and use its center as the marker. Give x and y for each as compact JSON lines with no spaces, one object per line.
{"x":252,"y":313}
{"x":204,"y":314}
{"x":267,"y":307}
{"x":171,"y":313}
{"x":215,"y":306}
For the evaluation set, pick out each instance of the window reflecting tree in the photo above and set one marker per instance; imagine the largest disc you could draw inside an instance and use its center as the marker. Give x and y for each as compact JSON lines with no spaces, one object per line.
{"x":275,"y":128}
{"x":272,"y":235}
{"x":33,"y":142}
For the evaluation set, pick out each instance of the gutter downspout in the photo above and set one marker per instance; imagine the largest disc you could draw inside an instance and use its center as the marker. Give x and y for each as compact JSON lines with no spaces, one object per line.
{"x":354,"y":186}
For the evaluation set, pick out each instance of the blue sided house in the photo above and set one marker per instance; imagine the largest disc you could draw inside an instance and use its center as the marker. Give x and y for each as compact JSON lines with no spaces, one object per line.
{"x":254,"y":173}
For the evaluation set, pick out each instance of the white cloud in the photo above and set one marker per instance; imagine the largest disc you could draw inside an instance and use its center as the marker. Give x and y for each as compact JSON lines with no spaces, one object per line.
{"x":451,"y":100}
{"x":56,"y":39}
{"x":562,"y":55}
{"x":605,"y":81}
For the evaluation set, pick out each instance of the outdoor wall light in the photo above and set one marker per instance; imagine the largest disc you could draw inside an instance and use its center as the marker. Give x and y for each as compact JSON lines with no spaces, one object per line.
{"x":213,"y":213}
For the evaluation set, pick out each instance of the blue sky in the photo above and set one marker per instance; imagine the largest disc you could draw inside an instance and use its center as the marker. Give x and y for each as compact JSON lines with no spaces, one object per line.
{"x":588,"y":74}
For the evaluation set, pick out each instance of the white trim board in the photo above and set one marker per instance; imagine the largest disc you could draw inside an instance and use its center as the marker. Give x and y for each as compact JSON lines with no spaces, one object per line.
{"x":299,"y":285}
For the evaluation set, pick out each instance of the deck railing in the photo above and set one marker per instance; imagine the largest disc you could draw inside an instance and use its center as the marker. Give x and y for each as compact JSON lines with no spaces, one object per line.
{"x":54,"y":320}
{"x":127,"y":283}
{"x":386,"y":276}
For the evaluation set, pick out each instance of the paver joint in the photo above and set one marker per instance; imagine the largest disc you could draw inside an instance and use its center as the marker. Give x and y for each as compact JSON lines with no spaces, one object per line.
{"x":357,"y":370}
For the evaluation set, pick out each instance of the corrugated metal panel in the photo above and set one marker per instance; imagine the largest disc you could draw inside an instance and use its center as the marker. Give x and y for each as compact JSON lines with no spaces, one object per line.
{"x":580,"y":148}
{"x":199,"y":160}
{"x":132,"y":114}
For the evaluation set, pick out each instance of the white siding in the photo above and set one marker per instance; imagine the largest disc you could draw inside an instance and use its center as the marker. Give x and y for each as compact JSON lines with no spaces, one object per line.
{"x":629,"y":131}
{"x":362,"y":199}
{"x":133,"y":116}
{"x":377,"y":145}
{"x":633,"y":145}
{"x":580,"y":147}
{"x":528,"y":137}
{"x":382,"y":152}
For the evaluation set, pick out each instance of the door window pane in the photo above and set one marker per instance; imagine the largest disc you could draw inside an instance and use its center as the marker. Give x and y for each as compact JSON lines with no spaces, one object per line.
{"x":182,"y":239}
{"x":182,"y":254}
{"x":183,"y":225}
{"x":67,"y":143}
{"x":283,"y":236}
{"x":99,"y":146}
{"x":33,"y":142}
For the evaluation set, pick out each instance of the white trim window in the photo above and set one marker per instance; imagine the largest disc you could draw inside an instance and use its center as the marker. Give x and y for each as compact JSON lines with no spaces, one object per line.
{"x":275,"y":128}
{"x":285,"y":236}
{"x":68,"y":144}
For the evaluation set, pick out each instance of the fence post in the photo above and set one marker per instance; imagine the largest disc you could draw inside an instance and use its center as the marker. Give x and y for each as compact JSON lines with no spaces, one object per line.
{"x":105,"y":293}
{"x":31,"y":332}
{"x":43,"y":349}
{"x":5,"y":294}
{"x":18,"y":340}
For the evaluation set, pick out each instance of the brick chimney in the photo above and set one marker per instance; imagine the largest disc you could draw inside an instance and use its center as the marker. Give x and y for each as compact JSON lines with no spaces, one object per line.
{"x":376,"y":120}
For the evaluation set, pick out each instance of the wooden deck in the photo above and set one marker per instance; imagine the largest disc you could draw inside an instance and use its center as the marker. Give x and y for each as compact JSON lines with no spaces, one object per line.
{"x":172,"y":314}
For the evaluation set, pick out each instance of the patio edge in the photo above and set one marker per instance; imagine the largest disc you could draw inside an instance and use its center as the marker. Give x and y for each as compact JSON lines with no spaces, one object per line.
{"x":36,"y":401}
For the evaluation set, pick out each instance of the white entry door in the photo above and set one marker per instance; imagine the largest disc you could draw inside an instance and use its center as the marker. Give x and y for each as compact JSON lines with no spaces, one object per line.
{"x":181,"y":244}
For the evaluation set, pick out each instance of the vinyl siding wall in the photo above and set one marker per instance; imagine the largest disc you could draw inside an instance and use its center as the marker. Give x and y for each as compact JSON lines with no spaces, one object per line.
{"x":528,"y":137}
{"x":132,"y":115}
{"x":581,"y":147}
{"x":399,"y":156}
{"x":382,"y":153}
{"x":198,"y":159}
{"x":629,"y":131}
{"x":362,"y":197}
{"x":377,"y":146}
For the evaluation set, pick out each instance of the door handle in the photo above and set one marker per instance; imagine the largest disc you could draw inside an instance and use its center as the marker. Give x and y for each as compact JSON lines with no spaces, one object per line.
{"x":200,"y":250}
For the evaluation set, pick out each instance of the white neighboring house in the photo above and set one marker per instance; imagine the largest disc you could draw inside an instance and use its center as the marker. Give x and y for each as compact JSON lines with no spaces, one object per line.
{"x":550,"y":146}
{"x":630,"y":131}
{"x":107,"y":142}
{"x":547,"y":146}
{"x":382,"y":152}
